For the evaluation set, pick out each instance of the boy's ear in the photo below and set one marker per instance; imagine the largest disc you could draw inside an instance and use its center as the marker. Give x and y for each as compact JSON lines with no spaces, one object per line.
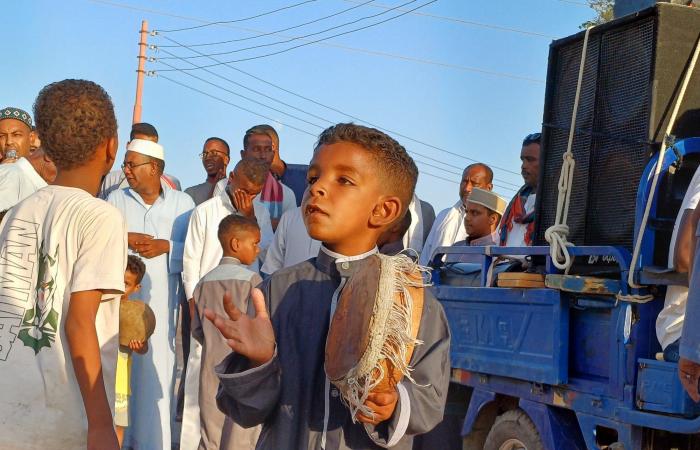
{"x":137,"y":287}
{"x":234,"y":244}
{"x":386,"y":211}
{"x":112,"y":147}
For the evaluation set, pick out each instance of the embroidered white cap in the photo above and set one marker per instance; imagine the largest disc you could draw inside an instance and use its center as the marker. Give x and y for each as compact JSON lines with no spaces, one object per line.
{"x":146,"y":147}
{"x":487,"y":199}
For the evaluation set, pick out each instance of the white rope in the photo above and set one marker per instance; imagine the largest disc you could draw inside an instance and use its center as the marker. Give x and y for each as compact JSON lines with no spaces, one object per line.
{"x":557,"y":234}
{"x":657,"y":170}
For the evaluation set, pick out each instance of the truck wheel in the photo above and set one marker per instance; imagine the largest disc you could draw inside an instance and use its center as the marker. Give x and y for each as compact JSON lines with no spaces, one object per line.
{"x":513,"y":430}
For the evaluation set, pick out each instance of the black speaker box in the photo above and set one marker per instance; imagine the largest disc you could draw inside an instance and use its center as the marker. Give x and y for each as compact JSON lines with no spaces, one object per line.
{"x":633,"y":73}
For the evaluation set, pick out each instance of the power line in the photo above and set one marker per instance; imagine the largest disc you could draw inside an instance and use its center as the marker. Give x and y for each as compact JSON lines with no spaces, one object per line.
{"x":338,"y":46}
{"x":456,"y":173}
{"x":270,"y":118}
{"x":246,"y":97}
{"x":270,"y":44}
{"x":235,"y":105}
{"x":318,"y":40}
{"x":468,"y":22}
{"x":336,"y":110}
{"x":276,"y":31}
{"x":330,"y":122}
{"x":238,"y":20}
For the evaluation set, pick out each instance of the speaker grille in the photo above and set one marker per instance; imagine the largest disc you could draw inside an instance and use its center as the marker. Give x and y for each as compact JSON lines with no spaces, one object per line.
{"x":612,"y":125}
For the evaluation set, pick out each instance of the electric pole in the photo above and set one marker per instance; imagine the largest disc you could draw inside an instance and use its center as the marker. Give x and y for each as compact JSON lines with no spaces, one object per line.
{"x":141,"y":72}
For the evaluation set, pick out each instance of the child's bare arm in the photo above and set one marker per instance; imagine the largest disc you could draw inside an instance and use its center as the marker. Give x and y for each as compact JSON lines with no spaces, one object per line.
{"x":85,"y":355}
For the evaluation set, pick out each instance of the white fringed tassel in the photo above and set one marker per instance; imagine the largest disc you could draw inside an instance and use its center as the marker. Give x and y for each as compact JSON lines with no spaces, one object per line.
{"x":390,"y":330}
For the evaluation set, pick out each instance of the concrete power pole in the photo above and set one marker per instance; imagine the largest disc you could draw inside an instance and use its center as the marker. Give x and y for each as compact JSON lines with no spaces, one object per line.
{"x":141,"y":72}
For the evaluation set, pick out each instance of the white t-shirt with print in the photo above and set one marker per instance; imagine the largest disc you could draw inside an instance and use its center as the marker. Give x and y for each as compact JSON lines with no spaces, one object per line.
{"x":58,"y":241}
{"x":669,"y":323}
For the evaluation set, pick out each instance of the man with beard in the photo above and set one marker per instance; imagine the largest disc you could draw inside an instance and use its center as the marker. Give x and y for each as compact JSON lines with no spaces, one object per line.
{"x":215,"y":157}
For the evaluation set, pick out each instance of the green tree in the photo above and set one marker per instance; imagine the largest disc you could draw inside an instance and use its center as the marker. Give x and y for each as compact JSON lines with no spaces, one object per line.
{"x":603,"y":10}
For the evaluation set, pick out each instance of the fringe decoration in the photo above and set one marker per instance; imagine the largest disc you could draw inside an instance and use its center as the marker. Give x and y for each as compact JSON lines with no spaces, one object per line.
{"x":390,"y":332}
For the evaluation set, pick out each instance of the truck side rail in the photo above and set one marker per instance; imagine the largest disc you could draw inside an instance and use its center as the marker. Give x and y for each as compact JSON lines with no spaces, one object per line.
{"x":450,"y":255}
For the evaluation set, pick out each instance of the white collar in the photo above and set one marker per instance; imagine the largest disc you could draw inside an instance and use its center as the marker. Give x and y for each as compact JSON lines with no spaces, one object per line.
{"x":343,"y":258}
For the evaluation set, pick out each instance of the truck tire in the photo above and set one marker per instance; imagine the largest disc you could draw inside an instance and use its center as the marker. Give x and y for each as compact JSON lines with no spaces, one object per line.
{"x":513,"y":430}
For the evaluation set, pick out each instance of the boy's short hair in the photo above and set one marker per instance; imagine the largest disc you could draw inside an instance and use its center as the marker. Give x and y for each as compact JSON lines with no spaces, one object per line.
{"x":398,"y":169}
{"x":253,"y":169}
{"x":267,"y":130}
{"x":73,"y":117}
{"x":143,"y":128}
{"x":223,"y":142}
{"x":135,"y":265}
{"x":233,"y":224}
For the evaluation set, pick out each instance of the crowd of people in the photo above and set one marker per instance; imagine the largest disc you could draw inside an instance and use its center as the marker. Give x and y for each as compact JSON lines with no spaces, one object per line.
{"x":79,"y":239}
{"x":240,"y":274}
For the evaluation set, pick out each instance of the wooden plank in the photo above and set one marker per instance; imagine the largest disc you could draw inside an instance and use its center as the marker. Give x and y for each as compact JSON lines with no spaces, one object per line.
{"x":583,"y":285}
{"x":521,"y":276}
{"x":520,"y":283}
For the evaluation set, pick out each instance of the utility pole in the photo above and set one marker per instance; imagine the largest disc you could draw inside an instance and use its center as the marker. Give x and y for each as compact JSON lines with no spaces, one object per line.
{"x":141,"y":72}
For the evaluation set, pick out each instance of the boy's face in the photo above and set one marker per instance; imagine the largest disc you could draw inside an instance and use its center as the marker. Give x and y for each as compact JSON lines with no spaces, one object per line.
{"x":344,"y":204}
{"x":479,"y":221}
{"x":130,"y":284}
{"x":246,"y":246}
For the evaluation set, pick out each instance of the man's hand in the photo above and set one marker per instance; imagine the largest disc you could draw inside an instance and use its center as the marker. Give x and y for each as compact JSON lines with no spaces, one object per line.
{"x":134,"y":238}
{"x":689,"y":373}
{"x":151,"y":248}
{"x":139,"y":347}
{"x":243,"y":203}
{"x":383,"y":404}
{"x":252,"y":338}
{"x":103,"y":438}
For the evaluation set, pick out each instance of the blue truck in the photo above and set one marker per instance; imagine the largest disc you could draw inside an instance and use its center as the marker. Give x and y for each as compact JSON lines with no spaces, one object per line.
{"x":572,"y":363}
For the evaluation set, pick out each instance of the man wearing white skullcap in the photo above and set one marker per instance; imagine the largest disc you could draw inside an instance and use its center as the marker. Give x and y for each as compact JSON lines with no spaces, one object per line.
{"x":157,"y":218}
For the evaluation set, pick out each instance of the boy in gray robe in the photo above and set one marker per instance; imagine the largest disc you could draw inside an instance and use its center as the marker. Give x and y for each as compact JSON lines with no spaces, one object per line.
{"x":360,"y":183}
{"x":239,"y":237}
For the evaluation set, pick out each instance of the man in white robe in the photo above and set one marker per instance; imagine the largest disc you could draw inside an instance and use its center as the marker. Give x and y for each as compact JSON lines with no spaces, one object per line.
{"x":157,"y":219}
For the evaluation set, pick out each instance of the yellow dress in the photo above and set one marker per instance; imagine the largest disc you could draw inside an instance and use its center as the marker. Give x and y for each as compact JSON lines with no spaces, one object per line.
{"x":122,"y":388}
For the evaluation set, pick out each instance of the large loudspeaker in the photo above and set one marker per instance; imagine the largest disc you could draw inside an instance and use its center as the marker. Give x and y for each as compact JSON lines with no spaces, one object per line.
{"x":633,"y":72}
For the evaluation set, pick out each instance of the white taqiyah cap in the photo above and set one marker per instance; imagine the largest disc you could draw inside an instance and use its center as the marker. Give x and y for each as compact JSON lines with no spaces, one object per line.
{"x":146,"y":147}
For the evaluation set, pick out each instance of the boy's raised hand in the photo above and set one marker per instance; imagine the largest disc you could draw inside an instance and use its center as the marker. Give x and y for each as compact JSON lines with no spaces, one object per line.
{"x":253,"y":338}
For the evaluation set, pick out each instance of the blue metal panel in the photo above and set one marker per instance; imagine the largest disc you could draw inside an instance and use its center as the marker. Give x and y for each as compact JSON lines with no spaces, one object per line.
{"x":521,"y":333}
{"x":479,"y":399}
{"x":683,"y":147}
{"x":629,"y":436}
{"x":658,"y":389}
{"x":558,"y":428}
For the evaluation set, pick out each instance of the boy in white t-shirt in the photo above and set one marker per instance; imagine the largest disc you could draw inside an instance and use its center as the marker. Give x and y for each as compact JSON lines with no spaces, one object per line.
{"x":62,"y":260}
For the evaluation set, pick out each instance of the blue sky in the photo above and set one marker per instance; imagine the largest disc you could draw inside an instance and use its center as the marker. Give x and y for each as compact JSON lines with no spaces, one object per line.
{"x":464,"y":76}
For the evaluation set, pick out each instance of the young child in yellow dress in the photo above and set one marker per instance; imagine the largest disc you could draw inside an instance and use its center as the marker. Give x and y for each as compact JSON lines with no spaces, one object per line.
{"x":135,"y":270}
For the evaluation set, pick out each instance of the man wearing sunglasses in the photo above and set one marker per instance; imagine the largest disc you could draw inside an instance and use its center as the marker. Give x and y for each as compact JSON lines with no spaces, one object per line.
{"x":215,"y":158}
{"x":518,"y":223}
